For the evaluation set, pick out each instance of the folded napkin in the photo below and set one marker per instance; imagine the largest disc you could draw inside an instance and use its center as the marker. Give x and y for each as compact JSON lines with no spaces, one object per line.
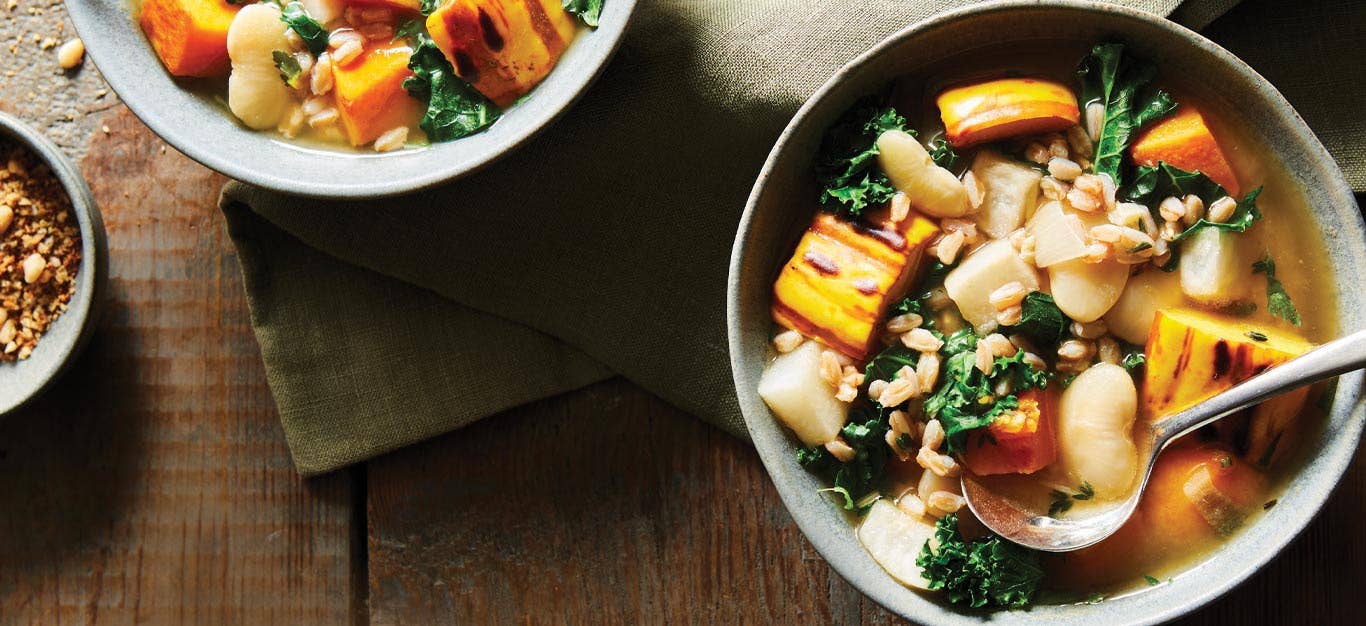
{"x":601,"y":247}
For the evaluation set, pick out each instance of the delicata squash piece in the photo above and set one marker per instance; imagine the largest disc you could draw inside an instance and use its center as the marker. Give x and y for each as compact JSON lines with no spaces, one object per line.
{"x":502,"y":47}
{"x":1006,"y":107}
{"x":1185,"y":141}
{"x":189,"y":36}
{"x":370,"y":95}
{"x":843,"y":277}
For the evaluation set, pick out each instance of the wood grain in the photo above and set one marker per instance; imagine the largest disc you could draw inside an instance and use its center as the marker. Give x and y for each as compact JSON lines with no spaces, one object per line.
{"x":609,"y":506}
{"x":152,"y":485}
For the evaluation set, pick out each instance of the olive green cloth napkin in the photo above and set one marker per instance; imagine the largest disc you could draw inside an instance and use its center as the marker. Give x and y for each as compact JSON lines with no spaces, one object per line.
{"x":601,"y":247}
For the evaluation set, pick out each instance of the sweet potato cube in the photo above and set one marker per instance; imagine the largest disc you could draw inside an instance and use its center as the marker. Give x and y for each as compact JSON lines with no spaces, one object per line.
{"x":370,"y":95}
{"x":502,"y":47}
{"x":1005,"y":107}
{"x":1185,"y":141}
{"x":1022,"y":441}
{"x":189,"y":36}
{"x":843,"y":277}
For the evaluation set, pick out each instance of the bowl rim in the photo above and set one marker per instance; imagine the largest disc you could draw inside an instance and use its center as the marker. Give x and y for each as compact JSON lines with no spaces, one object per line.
{"x":831,"y":548}
{"x":87,"y":299}
{"x":127,"y":81}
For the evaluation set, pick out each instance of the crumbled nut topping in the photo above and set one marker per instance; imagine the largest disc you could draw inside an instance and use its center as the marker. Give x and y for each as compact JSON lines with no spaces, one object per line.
{"x":40,"y":251}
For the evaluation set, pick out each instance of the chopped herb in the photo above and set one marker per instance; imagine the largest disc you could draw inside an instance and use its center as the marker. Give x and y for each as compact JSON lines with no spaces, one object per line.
{"x":1062,"y":501}
{"x":942,"y":154}
{"x":1265,"y":459}
{"x":987,"y":572}
{"x":314,"y":35}
{"x":1268,"y":505}
{"x":1226,"y":461}
{"x":409,"y":30}
{"x":588,"y":11}
{"x":1278,"y":302}
{"x":847,"y":167}
{"x":904,"y":441}
{"x":288,"y":66}
{"x":427,"y":7}
{"x":1094,"y":598}
{"x":1120,"y":83}
{"x":454,"y":108}
{"x":1041,"y":320}
{"x":1134,"y":360}
{"x":1256,"y":336}
{"x":1141,"y":247}
{"x":1151,"y":581}
{"x":859,"y":478}
{"x":1085,"y":491}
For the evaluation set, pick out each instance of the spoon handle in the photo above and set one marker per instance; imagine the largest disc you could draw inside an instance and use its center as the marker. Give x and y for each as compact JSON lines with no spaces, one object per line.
{"x":1328,"y":360}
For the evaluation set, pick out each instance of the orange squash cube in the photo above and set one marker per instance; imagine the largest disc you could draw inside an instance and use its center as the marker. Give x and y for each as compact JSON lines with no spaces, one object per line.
{"x":370,"y":95}
{"x":189,"y":36}
{"x":1022,"y":441}
{"x":502,"y":47}
{"x":1005,"y":107}
{"x":1185,"y":141}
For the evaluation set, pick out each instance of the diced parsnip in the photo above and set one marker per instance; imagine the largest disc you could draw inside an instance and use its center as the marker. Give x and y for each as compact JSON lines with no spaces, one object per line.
{"x":1012,"y":188}
{"x":792,"y":387}
{"x":1007,"y":107}
{"x":985,"y":270}
{"x":1199,"y":490}
{"x":1132,"y":316}
{"x":1193,"y":355}
{"x":1021,"y":441}
{"x":1059,"y":235}
{"x":1095,"y":417}
{"x":1087,"y":291}
{"x":1185,"y":141}
{"x":894,"y":539}
{"x":1213,"y":270}
{"x":842,"y":278}
{"x":502,"y":47}
{"x":932,"y":189}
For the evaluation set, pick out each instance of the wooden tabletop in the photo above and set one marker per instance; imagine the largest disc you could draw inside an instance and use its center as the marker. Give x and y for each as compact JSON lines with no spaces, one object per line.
{"x":153,"y":484}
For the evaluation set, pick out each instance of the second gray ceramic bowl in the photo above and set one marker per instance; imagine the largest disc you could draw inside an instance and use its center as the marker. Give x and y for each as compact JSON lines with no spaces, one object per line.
{"x":781,"y":204}
{"x":205,"y":132}
{"x":22,"y":381}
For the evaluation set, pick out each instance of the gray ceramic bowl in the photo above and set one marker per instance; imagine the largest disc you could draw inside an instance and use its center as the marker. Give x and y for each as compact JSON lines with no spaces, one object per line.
{"x":202,"y":130}
{"x":23,"y":381}
{"x":781,"y":204}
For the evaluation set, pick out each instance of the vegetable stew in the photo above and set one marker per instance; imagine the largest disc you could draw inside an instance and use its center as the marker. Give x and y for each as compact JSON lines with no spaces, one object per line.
{"x":383,"y":74}
{"x":1017,"y":260}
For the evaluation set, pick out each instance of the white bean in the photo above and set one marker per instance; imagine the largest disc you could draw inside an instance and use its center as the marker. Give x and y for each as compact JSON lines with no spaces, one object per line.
{"x":1095,"y":416}
{"x":256,"y":94}
{"x":932,"y":189}
{"x":1086,"y":291}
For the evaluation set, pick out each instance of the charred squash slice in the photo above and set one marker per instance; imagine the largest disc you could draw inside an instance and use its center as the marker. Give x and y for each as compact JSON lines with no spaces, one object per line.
{"x":502,"y":47}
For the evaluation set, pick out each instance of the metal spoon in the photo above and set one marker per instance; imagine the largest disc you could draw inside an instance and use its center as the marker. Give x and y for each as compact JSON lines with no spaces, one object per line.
{"x":1015,"y":523}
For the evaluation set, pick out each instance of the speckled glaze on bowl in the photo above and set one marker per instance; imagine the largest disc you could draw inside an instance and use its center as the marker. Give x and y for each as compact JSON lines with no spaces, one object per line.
{"x":777,"y":212}
{"x":207,"y":133}
{"x":22,"y":381}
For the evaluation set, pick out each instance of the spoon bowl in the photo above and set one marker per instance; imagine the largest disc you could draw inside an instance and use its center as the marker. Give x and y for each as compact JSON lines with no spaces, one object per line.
{"x":1018,"y":523}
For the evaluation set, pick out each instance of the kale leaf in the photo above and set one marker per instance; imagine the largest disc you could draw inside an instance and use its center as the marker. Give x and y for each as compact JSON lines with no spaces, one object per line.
{"x":866,"y":433}
{"x":1152,"y":184}
{"x":1041,"y":320}
{"x":942,"y":154}
{"x":965,"y":399}
{"x":290,"y":71}
{"x":454,"y":108}
{"x":1119,"y":82}
{"x":1278,"y":302}
{"x":409,"y":30}
{"x":987,"y":572}
{"x":885,"y":365}
{"x":314,"y":35}
{"x":588,"y":11}
{"x":847,"y":167}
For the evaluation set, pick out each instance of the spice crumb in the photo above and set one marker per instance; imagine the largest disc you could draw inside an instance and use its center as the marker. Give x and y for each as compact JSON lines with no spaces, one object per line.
{"x":40,"y":251}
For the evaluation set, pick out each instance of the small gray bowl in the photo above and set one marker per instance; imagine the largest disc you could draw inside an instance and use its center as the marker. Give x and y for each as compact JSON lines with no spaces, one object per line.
{"x":22,"y":381}
{"x":205,"y":132}
{"x":781,"y":203}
